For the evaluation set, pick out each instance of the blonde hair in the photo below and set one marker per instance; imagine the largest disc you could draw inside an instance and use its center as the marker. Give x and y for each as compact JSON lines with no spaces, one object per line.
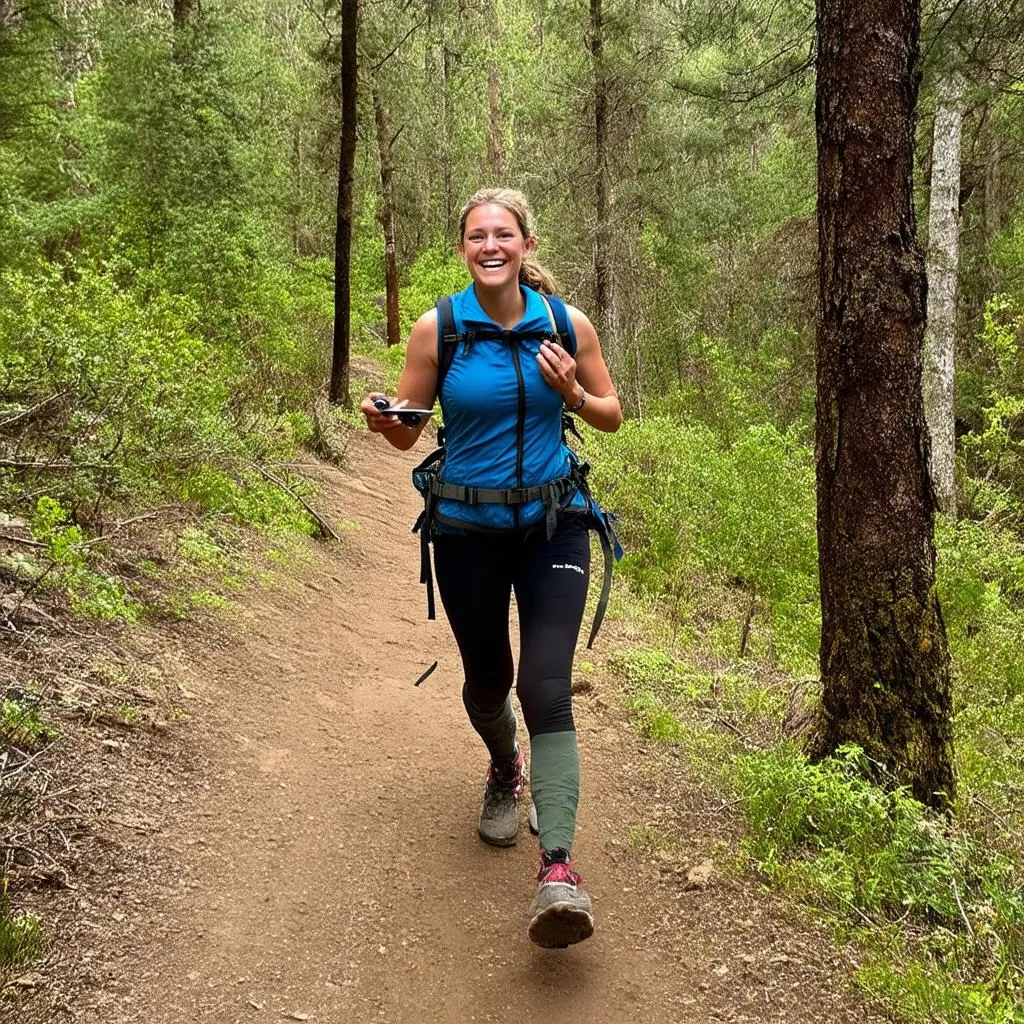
{"x":531,"y":273}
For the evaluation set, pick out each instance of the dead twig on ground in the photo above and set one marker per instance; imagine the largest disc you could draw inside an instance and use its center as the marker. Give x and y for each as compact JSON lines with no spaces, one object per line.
{"x":25,"y":413}
{"x":122,"y":523}
{"x":27,"y":541}
{"x":325,"y":526}
{"x":733,"y":728}
{"x":61,"y":466}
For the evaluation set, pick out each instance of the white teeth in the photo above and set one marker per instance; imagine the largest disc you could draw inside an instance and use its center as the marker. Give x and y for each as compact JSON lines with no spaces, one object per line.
{"x":491,"y":264}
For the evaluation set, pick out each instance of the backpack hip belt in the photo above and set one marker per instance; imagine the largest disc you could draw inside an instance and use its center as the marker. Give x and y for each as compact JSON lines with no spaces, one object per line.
{"x":547,"y":493}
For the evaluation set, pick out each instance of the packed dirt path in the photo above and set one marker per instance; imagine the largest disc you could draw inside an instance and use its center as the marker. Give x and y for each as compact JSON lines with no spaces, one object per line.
{"x":322,"y":862}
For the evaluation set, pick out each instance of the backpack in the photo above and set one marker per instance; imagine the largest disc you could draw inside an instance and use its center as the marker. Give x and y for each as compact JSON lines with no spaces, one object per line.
{"x":554,"y":495}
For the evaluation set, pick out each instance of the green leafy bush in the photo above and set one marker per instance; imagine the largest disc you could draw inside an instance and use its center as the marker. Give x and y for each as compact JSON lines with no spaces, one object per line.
{"x":91,"y":593}
{"x":946,"y":916}
{"x":437,"y":271}
{"x":146,"y":404}
{"x":22,"y":725}
{"x":828,"y":831}
{"x":991,"y":387}
{"x":742,"y":515}
{"x":980,"y":576}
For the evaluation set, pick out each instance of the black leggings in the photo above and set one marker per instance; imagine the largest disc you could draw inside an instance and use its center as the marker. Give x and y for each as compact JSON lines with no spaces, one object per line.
{"x":476,"y":575}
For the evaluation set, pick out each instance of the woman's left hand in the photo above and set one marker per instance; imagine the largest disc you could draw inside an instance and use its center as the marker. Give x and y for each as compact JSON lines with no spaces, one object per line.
{"x":558,"y":369}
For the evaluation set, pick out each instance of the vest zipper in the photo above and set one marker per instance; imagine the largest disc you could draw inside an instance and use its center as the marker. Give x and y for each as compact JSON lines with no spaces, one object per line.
{"x":520,"y":420}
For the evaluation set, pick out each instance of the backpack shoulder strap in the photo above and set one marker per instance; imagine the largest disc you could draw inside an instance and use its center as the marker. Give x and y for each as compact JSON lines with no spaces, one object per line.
{"x":447,"y":339}
{"x":560,"y":321}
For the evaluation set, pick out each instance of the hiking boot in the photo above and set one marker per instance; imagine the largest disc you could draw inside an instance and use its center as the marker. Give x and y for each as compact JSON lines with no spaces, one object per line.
{"x":560,"y":913}
{"x":499,"y":816}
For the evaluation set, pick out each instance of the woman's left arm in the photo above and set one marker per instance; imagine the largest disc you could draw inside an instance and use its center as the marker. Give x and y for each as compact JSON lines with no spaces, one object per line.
{"x":584,"y":378}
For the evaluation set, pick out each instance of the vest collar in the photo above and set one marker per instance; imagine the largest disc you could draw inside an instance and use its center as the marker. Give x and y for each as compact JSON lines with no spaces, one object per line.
{"x":535,"y":315}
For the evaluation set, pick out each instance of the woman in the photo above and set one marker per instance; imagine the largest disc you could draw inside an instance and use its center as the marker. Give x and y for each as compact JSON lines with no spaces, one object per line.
{"x":502,"y":399}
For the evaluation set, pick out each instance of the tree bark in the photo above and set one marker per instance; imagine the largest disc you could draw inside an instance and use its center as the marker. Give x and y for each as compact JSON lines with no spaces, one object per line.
{"x":387,"y":218}
{"x":943,"y":263}
{"x":495,"y":150}
{"x":446,"y":140}
{"x":602,"y":234}
{"x":181,"y":11}
{"x":884,"y":658}
{"x":340,"y":369}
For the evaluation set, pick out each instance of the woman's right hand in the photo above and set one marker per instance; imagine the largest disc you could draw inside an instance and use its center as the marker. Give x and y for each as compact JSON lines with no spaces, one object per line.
{"x":376,"y":421}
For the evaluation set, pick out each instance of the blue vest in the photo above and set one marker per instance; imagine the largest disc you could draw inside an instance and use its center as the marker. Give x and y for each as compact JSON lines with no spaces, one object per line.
{"x":503,"y":423}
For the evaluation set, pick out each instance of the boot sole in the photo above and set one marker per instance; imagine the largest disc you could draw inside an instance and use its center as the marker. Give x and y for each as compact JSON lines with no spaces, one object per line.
{"x":559,"y":925}
{"x":503,"y":841}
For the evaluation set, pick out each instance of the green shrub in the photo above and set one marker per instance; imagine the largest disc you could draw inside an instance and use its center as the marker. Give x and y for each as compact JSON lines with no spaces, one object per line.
{"x":692,"y":509}
{"x":21,"y":724}
{"x":438,"y":271}
{"x":980,"y":577}
{"x":91,"y":593}
{"x":991,"y":389}
{"x":946,"y":915}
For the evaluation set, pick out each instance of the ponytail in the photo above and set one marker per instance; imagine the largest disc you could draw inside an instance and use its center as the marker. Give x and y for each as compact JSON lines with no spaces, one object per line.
{"x":536,"y":276}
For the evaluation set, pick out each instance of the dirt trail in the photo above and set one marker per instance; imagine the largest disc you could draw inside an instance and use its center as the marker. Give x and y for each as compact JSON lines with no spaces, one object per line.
{"x":325,"y":864}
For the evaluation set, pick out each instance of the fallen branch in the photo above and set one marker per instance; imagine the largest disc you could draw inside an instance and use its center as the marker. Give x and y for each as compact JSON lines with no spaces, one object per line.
{"x":963,"y":913}
{"x":325,"y":526}
{"x":19,"y":464}
{"x":22,"y":540}
{"x":25,"y":413}
{"x":733,"y":728}
{"x":120,"y":525}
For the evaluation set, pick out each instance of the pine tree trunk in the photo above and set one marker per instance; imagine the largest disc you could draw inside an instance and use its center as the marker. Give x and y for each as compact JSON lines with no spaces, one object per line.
{"x":943,"y":263}
{"x":387,"y":218}
{"x":602,"y":236}
{"x":446,"y":140}
{"x":884,"y":659}
{"x":495,"y":151}
{"x":992,"y":200}
{"x":340,"y":369}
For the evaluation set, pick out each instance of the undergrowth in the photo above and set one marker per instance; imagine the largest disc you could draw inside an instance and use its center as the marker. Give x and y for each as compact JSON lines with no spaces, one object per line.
{"x":722,"y":538}
{"x":21,"y":942}
{"x":937,"y":912}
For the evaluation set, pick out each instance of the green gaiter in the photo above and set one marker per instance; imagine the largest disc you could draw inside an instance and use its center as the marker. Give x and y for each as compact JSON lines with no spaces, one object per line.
{"x":496,"y":728}
{"x":555,"y":785}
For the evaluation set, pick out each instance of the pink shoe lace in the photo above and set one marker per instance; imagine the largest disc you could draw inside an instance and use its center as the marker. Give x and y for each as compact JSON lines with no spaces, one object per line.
{"x":560,"y":872}
{"x":515,"y":783}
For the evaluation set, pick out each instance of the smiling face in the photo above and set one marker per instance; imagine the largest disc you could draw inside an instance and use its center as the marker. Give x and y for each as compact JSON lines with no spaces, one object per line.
{"x":493,"y":246}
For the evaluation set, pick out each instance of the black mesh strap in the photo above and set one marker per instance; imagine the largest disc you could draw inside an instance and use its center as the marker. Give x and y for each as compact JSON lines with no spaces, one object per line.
{"x":606,"y":586}
{"x":447,"y":339}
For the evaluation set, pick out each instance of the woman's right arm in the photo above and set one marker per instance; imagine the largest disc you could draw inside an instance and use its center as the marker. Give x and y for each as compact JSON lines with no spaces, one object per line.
{"x":416,"y":388}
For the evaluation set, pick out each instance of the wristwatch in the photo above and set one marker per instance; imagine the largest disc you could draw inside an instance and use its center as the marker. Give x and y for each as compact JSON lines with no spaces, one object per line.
{"x":579,"y":405}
